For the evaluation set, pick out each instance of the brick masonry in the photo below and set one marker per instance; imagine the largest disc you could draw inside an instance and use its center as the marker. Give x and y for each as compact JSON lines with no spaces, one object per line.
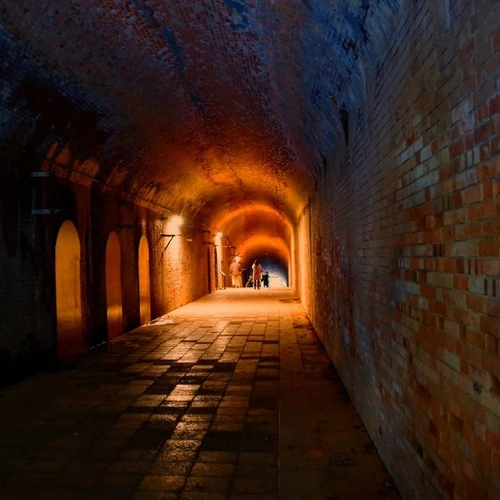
{"x":405,"y":233}
{"x":386,"y":159}
{"x":28,"y":315}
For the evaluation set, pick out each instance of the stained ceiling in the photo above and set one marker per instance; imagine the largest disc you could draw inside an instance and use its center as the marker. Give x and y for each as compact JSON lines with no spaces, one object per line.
{"x":207,"y":108}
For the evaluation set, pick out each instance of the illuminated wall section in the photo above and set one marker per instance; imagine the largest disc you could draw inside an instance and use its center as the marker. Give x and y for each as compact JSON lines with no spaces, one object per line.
{"x":144,"y":281}
{"x":114,"y":287}
{"x":68,"y":292}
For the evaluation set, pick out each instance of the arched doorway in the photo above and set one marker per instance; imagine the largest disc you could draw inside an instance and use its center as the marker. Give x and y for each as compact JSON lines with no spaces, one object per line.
{"x":209,"y":271}
{"x":144,"y":283}
{"x":114,"y":287}
{"x":216,"y":269}
{"x":68,"y":292}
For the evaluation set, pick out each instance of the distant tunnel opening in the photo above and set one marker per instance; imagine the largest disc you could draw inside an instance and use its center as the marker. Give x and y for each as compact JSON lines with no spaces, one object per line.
{"x":272,"y":265}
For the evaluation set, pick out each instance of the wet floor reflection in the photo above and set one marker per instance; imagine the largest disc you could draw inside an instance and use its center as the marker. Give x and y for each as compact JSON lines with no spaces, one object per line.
{"x":229,"y":397}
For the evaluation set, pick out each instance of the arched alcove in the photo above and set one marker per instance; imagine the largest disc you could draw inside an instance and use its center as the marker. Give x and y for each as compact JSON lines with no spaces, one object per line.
{"x":144,"y":281}
{"x":216,"y":270}
{"x":209,"y":271}
{"x":114,"y":287}
{"x":68,"y":292}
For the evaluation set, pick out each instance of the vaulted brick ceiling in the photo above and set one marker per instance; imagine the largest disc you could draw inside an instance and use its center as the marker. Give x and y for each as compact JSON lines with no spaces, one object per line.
{"x":201,"y":106}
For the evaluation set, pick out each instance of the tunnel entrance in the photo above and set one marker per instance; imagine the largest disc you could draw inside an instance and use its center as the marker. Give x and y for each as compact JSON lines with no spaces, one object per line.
{"x":144,"y":282}
{"x":114,"y":287}
{"x":258,"y":232}
{"x":68,"y":292}
{"x":273,"y":266}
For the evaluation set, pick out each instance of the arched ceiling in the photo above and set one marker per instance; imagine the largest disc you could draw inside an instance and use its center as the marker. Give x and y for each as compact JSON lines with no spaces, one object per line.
{"x":255,"y":223}
{"x":260,"y":246}
{"x":204,"y":107}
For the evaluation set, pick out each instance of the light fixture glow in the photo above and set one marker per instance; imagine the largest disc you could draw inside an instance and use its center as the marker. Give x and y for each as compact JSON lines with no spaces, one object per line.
{"x":175,"y":223}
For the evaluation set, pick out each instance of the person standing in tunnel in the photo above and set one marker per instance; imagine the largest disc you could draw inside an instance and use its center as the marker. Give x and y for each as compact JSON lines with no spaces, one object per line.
{"x":235,"y":272}
{"x":256,"y":274}
{"x":265,"y":280}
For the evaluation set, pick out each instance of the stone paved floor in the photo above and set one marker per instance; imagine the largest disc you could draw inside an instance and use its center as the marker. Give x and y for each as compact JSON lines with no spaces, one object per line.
{"x":232,"y":397}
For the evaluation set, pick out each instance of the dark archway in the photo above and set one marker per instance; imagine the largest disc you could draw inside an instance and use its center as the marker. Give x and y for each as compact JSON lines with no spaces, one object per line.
{"x":114,"y":287}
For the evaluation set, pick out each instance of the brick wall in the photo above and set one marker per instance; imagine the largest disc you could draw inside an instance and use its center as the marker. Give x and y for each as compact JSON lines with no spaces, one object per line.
{"x":405,"y":236}
{"x":28,"y":332}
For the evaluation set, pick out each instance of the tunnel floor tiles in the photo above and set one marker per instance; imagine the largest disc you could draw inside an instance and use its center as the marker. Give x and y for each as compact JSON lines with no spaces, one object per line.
{"x":230,"y":397}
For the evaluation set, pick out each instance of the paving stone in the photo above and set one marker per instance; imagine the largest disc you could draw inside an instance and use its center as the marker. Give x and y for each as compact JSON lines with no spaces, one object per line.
{"x":208,"y":484}
{"x":267,"y":471}
{"x":218,"y":456}
{"x":195,"y":495}
{"x":212,"y":469}
{"x":170,"y":468}
{"x":153,"y":495}
{"x":244,"y":423}
{"x":119,"y":481}
{"x":254,"y":485}
{"x":162,"y":483}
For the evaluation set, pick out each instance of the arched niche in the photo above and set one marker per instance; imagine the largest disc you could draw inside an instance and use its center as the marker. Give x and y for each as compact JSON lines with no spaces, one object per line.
{"x":68,"y":292}
{"x":114,"y":287}
{"x":209,"y":271}
{"x":216,"y":270}
{"x":144,"y":282}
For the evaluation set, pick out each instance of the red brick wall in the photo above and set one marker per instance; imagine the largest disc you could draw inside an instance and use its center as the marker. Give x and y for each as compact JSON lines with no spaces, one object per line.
{"x":405,"y":237}
{"x":28,"y":334}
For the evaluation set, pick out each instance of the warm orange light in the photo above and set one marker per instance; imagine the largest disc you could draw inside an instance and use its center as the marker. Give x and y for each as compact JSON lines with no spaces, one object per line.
{"x":174,"y":224}
{"x":263,"y":244}
{"x":68,"y":292}
{"x":114,"y":286}
{"x":144,"y":281}
{"x":253,"y":209}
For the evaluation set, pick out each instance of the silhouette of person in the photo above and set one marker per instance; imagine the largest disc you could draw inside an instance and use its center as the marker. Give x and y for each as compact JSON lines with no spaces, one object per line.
{"x":265,"y":279}
{"x":256,"y":274}
{"x":235,"y":272}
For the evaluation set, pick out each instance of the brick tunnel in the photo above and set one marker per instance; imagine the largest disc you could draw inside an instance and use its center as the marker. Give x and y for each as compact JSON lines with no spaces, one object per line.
{"x":351,"y":147}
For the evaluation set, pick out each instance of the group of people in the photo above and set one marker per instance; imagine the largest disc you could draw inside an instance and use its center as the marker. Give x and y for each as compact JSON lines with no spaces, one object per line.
{"x":255,"y":279}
